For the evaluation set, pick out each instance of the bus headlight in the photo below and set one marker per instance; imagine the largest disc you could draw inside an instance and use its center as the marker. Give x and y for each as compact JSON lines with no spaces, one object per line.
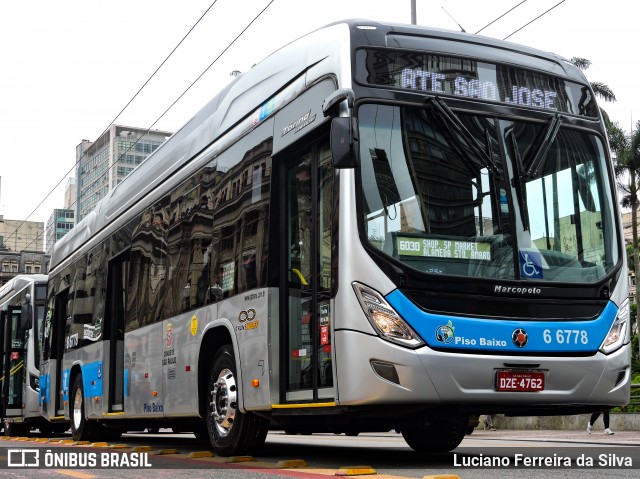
{"x":384,"y":319}
{"x":619,"y":332}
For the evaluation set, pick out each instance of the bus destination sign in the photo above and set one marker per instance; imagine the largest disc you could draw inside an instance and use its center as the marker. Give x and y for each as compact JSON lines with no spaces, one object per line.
{"x":473,"y":79}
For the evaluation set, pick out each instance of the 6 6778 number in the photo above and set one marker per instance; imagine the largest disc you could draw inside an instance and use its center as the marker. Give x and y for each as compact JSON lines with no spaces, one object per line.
{"x":565,"y":336}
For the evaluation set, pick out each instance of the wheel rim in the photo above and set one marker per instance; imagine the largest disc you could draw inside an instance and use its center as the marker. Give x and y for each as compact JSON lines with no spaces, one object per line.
{"x":77,"y":409}
{"x":224,"y":402}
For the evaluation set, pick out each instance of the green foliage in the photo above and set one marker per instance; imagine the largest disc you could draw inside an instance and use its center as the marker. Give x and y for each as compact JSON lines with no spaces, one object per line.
{"x":635,"y":360}
{"x":634,"y":406}
{"x":630,"y":261}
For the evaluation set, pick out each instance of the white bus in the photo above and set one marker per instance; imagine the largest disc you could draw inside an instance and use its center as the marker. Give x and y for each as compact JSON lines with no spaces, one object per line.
{"x":376,"y":227}
{"x":22,"y":312}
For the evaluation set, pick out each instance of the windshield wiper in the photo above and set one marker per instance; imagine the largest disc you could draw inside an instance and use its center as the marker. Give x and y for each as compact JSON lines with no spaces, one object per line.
{"x":543,"y":148}
{"x":452,"y":119}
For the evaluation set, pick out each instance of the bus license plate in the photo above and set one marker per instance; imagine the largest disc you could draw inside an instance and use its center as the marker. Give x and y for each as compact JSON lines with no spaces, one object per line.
{"x":520,"y":381}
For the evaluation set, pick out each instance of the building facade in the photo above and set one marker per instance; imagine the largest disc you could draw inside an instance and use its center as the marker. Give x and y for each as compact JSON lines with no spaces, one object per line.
{"x":59,"y":224}
{"x":21,"y":249}
{"x":70,"y":194}
{"x":13,"y":263}
{"x":18,"y":235}
{"x":101,"y":165}
{"x":62,"y":220}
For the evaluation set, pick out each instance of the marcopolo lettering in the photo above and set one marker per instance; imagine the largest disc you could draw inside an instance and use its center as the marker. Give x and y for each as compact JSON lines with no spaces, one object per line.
{"x":524,"y":290}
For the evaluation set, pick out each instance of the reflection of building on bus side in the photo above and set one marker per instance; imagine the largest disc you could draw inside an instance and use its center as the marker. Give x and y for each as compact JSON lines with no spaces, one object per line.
{"x":206,"y":235}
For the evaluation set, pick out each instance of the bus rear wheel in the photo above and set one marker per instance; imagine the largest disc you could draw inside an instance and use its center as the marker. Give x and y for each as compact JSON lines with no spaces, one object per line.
{"x":81,"y":428}
{"x":231,"y":431}
{"x":436,"y":435}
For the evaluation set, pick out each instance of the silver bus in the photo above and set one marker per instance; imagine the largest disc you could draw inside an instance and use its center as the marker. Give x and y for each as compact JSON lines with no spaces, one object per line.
{"x":377,"y":227}
{"x":22,"y":312}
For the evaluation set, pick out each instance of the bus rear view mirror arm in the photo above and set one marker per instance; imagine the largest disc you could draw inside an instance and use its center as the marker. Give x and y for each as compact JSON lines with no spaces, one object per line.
{"x":331,"y":104}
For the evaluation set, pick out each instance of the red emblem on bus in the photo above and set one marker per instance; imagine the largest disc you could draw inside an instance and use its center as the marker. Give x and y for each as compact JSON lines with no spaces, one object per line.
{"x":520,"y":338}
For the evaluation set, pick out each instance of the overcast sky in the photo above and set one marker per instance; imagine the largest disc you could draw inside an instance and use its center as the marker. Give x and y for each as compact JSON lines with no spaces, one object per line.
{"x":67,"y":68}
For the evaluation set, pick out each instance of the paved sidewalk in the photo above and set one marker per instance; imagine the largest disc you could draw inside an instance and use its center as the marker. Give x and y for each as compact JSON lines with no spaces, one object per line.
{"x":622,"y":438}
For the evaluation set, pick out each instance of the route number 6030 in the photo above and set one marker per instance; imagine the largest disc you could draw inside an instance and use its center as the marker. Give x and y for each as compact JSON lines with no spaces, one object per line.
{"x":565,"y":336}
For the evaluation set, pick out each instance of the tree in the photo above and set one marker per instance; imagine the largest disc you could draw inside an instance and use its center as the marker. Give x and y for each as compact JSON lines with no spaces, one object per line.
{"x":601,"y":90}
{"x":627,"y":170}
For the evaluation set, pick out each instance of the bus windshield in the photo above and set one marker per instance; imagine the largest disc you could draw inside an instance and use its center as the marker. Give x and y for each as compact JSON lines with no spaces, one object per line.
{"x":486,"y":197}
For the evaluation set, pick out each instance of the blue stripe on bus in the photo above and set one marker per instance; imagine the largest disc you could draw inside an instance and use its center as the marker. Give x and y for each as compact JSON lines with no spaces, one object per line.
{"x":443,"y":331}
{"x":92,"y":379}
{"x":45,"y":394}
{"x":65,"y":384}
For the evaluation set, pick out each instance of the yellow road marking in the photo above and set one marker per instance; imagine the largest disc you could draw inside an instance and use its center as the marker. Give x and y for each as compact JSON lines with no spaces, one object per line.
{"x":79,"y":475}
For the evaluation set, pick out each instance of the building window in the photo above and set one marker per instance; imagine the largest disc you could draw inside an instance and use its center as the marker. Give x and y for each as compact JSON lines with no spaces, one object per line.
{"x":28,"y":269}
{"x":36,"y":269}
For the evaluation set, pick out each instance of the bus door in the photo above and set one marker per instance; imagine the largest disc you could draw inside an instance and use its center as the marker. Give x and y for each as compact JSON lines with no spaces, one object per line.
{"x":54,"y":342}
{"x":14,"y":361}
{"x":306,"y":271}
{"x":114,"y":331}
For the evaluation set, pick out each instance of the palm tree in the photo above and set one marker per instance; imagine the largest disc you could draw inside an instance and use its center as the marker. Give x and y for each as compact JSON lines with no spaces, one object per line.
{"x":600,"y":89}
{"x":627,"y":169}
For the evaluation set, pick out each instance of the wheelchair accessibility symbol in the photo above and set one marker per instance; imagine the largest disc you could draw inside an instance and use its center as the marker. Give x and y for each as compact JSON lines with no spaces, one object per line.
{"x":530,"y":265}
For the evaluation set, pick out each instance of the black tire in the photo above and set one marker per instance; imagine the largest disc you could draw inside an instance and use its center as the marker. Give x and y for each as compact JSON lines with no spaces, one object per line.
{"x":81,"y":428}
{"x":13,"y":429}
{"x":436,"y":435}
{"x":230,"y":431}
{"x":472,"y":424}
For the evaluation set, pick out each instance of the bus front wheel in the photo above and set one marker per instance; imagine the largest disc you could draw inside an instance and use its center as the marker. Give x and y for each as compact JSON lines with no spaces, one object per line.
{"x":81,"y":429}
{"x":231,"y":431}
{"x":436,"y":435}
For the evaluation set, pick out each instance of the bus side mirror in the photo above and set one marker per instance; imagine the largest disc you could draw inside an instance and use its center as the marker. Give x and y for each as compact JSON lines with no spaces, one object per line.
{"x":343,"y":129}
{"x":343,"y":142}
{"x":26,"y":321}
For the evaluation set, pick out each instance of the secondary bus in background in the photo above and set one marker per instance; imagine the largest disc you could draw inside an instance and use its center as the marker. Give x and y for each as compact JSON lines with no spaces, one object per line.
{"x":22,"y":312}
{"x":377,"y":227}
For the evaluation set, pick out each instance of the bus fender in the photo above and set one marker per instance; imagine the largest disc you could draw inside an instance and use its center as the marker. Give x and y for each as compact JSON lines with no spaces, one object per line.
{"x":212,"y":340}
